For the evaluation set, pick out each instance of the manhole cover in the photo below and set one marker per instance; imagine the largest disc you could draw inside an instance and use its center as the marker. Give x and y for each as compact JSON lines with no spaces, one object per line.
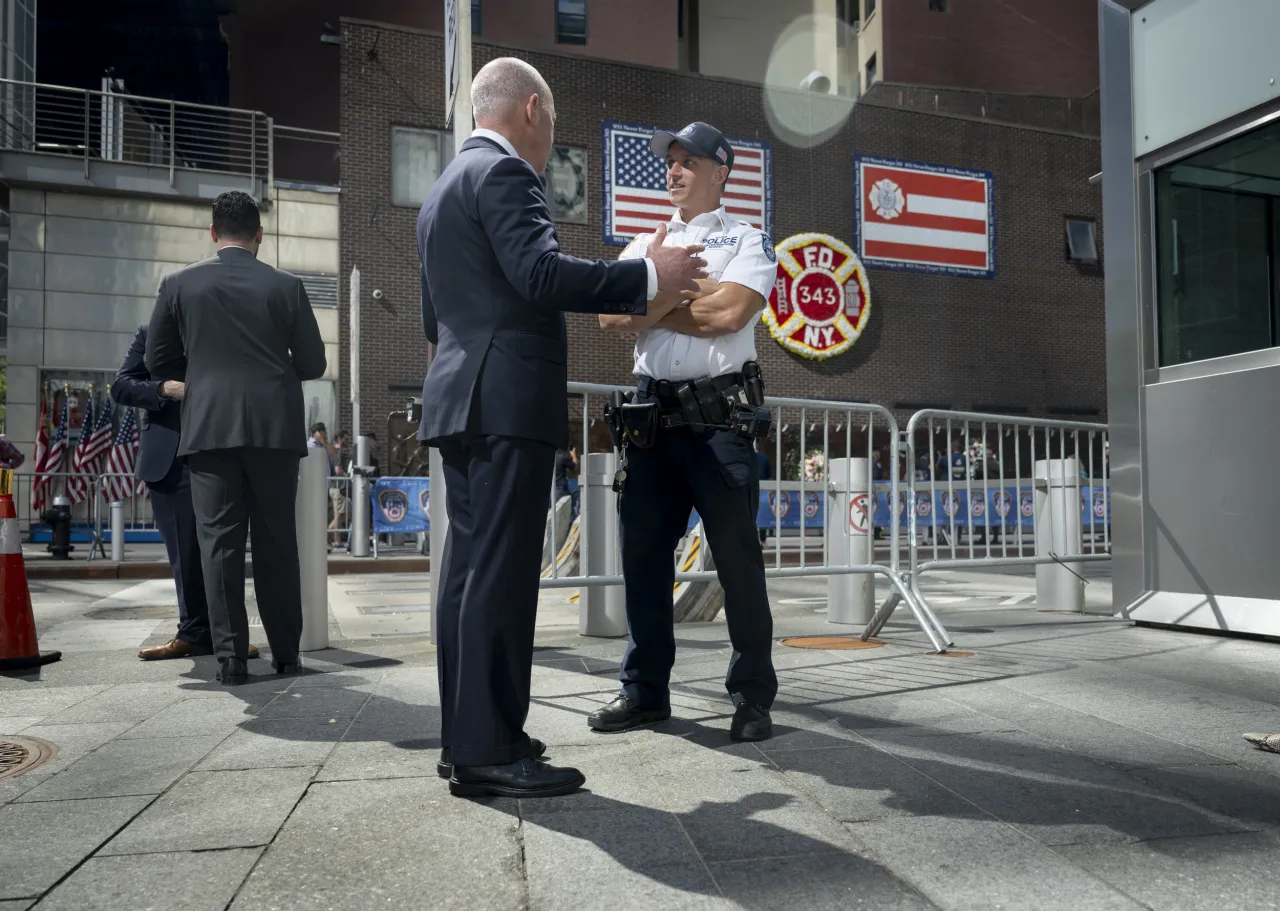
{"x":950,"y":654}
{"x":831,"y":642}
{"x":22,"y":754}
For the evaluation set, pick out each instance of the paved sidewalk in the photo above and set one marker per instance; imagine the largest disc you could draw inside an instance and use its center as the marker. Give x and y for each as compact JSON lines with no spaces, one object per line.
{"x":1073,"y":762}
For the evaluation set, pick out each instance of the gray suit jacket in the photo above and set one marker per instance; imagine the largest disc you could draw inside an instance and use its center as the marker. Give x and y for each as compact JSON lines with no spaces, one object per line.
{"x":494,"y":288}
{"x":242,"y":336}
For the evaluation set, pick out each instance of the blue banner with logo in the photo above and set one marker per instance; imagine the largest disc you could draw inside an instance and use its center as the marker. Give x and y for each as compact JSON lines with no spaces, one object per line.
{"x":994,"y":506}
{"x":400,"y":505}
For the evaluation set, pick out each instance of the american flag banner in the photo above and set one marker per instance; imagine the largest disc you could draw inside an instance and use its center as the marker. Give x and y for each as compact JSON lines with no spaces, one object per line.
{"x":40,"y":496}
{"x":123,"y":459}
{"x":635,"y":183}
{"x":923,"y":217}
{"x":95,"y":440}
{"x":42,"y":453}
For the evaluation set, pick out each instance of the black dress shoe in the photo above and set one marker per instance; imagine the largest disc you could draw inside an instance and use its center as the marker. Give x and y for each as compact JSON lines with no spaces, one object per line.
{"x":522,"y":778}
{"x":233,"y":672}
{"x":286,"y":667}
{"x":444,"y":766}
{"x":751,"y":722}
{"x":623,"y":714}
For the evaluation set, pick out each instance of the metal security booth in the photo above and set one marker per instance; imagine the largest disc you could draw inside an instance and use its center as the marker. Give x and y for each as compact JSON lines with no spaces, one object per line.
{"x":1190,"y":102}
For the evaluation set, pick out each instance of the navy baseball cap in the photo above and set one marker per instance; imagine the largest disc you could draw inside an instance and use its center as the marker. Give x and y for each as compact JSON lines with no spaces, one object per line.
{"x":700,"y":139}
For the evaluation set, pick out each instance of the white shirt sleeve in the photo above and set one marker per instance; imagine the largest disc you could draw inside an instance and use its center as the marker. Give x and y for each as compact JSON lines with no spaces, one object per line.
{"x":635,"y":250}
{"x":755,"y":265}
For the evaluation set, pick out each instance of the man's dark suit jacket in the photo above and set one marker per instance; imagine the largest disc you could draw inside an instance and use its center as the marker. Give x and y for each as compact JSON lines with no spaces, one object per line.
{"x":242,"y":336}
{"x":494,"y":283}
{"x":134,"y":387}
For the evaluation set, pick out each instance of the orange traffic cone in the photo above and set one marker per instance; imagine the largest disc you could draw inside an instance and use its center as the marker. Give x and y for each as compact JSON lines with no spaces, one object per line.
{"x":18,"y":647}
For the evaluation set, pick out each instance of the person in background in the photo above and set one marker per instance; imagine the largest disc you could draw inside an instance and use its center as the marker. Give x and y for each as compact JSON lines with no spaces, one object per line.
{"x":566,"y":464}
{"x":339,"y":456}
{"x":10,"y":456}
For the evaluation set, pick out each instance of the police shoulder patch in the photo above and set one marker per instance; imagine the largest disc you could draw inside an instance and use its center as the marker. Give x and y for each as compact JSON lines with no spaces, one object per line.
{"x":766,"y":244}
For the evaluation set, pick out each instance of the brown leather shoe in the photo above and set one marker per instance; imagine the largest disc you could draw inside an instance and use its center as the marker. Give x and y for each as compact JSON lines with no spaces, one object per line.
{"x":174,"y":648}
{"x":180,"y":648}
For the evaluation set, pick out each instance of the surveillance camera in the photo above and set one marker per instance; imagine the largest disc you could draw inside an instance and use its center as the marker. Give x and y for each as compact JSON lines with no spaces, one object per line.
{"x":377,"y":294}
{"x":816,"y":82}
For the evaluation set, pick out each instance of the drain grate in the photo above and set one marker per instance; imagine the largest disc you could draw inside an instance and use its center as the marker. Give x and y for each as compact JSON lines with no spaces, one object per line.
{"x":22,"y":754}
{"x":831,"y":642}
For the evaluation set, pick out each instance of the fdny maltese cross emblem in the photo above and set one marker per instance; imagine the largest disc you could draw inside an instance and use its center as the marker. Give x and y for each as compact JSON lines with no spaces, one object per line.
{"x":394,"y":505}
{"x":821,"y":300}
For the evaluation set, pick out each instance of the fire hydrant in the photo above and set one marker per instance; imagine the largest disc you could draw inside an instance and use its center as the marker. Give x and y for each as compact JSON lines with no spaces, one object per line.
{"x":58,"y":518}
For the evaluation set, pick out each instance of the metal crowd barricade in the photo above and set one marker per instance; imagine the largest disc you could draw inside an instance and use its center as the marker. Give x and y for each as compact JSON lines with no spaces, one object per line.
{"x":798,"y":425}
{"x":139,"y":516}
{"x":340,"y":492}
{"x":995,"y":474}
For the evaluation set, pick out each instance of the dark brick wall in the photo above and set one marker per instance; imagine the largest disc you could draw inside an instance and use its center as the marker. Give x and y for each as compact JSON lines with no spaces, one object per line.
{"x":1033,"y":336}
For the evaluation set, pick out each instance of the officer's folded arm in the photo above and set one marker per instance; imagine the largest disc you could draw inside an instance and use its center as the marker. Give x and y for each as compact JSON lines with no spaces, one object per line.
{"x":726,"y":308}
{"x":659,"y":307}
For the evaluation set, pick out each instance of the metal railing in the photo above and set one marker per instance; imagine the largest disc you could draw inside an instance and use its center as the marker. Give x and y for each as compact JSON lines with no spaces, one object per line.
{"x":95,"y":125}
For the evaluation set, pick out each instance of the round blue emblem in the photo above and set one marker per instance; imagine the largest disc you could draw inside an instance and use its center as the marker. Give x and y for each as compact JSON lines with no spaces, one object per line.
{"x":767,"y":245}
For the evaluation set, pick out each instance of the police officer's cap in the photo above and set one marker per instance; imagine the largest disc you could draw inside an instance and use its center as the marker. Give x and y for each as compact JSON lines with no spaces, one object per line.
{"x":700,"y":139}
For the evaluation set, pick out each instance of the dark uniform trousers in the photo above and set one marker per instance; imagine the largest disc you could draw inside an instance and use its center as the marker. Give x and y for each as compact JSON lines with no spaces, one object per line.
{"x":237,"y":493}
{"x":716,"y":473}
{"x":497,"y":499}
{"x":176,"y":521}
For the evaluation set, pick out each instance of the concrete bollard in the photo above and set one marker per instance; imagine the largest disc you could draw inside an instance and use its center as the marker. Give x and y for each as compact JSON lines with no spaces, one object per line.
{"x":311,"y":515}
{"x":359,"y":544}
{"x":602,"y":610}
{"x":1059,"y":586}
{"x":851,"y":597}
{"x":117,"y":531}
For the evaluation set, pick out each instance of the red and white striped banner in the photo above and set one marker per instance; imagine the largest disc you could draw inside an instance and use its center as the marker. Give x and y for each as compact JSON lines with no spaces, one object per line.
{"x":927,"y":218}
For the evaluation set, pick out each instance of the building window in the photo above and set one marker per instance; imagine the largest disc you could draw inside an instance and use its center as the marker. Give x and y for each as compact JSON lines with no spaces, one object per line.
{"x":868,"y":7}
{"x":937,"y":6}
{"x":417,"y":158}
{"x":571,"y":21}
{"x":1082,"y":241}
{"x":1217,"y":292}
{"x":871,"y":72}
{"x":475,"y":17}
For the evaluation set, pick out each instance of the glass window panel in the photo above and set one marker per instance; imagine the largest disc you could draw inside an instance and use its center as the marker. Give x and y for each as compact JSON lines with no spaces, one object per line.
{"x":1216,"y":243}
{"x":417,"y":158}
{"x":571,"y":21}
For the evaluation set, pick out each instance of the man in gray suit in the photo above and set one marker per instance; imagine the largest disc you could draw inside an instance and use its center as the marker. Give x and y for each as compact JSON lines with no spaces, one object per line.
{"x":494,"y":288}
{"x":241,"y":336}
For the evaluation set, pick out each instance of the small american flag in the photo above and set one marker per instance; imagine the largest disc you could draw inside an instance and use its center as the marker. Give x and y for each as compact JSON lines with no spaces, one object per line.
{"x":635,"y":183}
{"x":123,"y":459}
{"x":95,"y":439}
{"x":52,"y":461}
{"x":922,"y":217}
{"x":42,"y":453}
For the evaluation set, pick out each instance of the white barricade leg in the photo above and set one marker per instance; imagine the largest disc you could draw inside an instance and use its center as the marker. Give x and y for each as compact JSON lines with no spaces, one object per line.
{"x":117,"y":531}
{"x":311,"y":514}
{"x":1059,"y":585}
{"x":850,"y":596}
{"x":602,"y":610}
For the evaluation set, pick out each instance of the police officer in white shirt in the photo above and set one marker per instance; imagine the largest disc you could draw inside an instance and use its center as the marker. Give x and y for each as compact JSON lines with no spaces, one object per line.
{"x":687,"y":352}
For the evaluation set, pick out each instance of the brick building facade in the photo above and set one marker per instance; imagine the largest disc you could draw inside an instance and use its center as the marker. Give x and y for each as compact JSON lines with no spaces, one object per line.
{"x":1030,"y":340}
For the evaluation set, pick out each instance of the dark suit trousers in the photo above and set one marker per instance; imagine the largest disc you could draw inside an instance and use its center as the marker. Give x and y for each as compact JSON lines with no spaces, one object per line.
{"x":497,"y":498}
{"x":240,"y":491}
{"x":176,"y":520}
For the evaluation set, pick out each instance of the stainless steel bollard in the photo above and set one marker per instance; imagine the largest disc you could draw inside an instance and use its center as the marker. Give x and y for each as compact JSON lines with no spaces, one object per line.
{"x":851,"y":597}
{"x":602,"y":610}
{"x":117,"y":531}
{"x":360,"y":501}
{"x":1059,"y":586}
{"x":311,"y":514}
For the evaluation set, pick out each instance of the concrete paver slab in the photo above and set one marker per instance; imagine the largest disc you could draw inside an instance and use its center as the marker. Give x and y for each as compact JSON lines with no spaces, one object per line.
{"x":203,"y":881}
{"x":126,"y":767}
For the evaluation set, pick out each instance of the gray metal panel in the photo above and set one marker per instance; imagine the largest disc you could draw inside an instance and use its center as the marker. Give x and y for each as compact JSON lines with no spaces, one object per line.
{"x":96,"y":312}
{"x":26,"y":232}
{"x":131,"y":277}
{"x":26,"y":270}
{"x":1124,"y":325}
{"x":305,"y":219}
{"x":22,"y":385}
{"x":26,"y":308}
{"x":21,"y":200}
{"x":144,"y":211}
{"x":120,"y":177}
{"x":127,"y":240}
{"x":306,"y":254}
{"x":26,"y":346}
{"x":23,"y":418}
{"x":73,"y":348}
{"x":1198,"y":62}
{"x":1211,"y":493}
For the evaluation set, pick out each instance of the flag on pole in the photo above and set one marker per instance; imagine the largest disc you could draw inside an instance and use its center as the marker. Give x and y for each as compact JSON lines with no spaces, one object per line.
{"x":635,"y":184}
{"x":42,"y":452}
{"x":923,"y":217}
{"x":52,"y":461}
{"x":123,"y":459}
{"x":95,"y":440}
